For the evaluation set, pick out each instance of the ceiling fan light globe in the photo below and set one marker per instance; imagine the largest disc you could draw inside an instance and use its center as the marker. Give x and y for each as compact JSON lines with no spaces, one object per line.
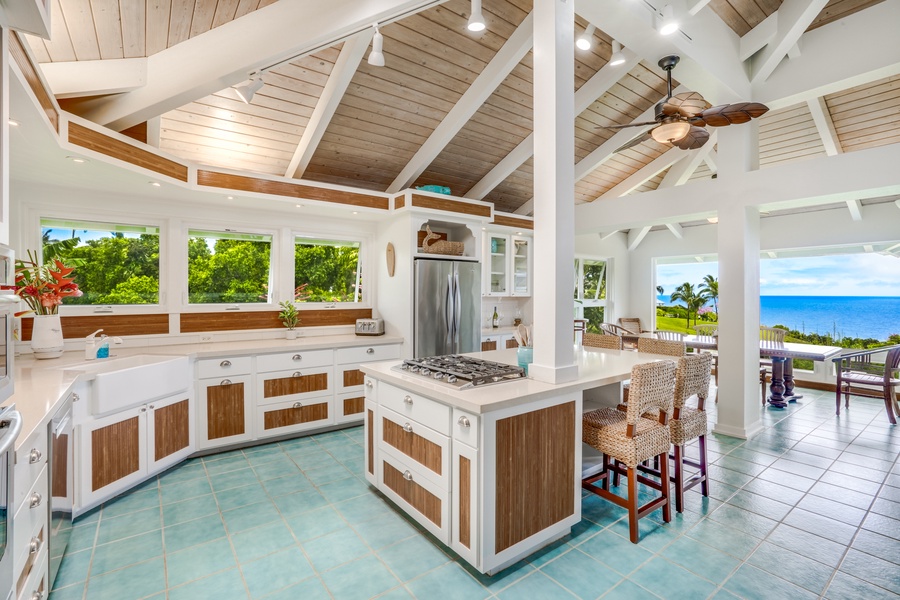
{"x":670,"y":132}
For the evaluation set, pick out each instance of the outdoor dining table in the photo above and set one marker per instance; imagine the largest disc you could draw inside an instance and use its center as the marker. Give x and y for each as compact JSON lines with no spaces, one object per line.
{"x":782,"y":354}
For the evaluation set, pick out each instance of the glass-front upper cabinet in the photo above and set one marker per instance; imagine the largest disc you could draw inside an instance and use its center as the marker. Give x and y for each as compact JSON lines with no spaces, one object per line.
{"x":497,"y":273}
{"x":521,"y":266}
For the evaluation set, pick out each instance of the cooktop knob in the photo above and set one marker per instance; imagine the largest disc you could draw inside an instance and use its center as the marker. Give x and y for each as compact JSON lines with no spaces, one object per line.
{"x":425,"y":372}
{"x":451,"y":378}
{"x":438,"y":375}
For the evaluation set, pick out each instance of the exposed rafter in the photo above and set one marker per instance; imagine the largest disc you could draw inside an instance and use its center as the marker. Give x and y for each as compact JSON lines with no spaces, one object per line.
{"x":794,"y":17}
{"x":636,"y":236}
{"x":344,"y":68}
{"x":825,"y":126}
{"x":210,"y":62}
{"x":682,"y":170}
{"x":586,"y":95}
{"x":855,"y":208}
{"x":676,"y":229}
{"x":756,"y":39}
{"x":645,"y":173}
{"x":95,"y":77}
{"x":506,"y":59}
{"x":606,"y":236}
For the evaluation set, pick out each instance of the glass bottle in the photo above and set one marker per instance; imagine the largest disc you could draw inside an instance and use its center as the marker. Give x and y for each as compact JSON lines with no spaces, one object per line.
{"x":495,"y":319}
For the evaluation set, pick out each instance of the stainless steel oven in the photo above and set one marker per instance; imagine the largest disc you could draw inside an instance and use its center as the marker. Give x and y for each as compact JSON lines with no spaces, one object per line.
{"x":10,"y":425}
{"x":8,"y":303}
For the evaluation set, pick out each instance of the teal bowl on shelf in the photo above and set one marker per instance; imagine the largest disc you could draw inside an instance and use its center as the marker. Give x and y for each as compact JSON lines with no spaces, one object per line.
{"x":525,"y":356}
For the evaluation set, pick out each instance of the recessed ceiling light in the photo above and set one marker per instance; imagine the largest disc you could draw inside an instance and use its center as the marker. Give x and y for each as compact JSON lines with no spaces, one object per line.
{"x":77,"y":159}
{"x":518,"y":233}
{"x":299,"y":206}
{"x":355,"y":212}
{"x":155,"y":183}
{"x":13,"y":123}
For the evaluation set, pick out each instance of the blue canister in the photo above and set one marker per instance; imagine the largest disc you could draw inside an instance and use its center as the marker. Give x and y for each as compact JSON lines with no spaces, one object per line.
{"x":494,"y":245}
{"x":525,"y":356}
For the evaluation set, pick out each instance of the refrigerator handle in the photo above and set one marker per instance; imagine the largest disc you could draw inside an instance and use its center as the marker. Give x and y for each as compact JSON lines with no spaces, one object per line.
{"x":449,"y":310}
{"x":457,"y":310}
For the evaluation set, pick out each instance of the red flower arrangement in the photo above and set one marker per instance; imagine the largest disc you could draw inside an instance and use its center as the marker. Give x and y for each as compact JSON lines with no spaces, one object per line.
{"x":43,"y":287}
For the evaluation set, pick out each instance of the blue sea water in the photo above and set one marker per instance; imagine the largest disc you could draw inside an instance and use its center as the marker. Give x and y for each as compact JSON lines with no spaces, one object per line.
{"x":842,"y":316}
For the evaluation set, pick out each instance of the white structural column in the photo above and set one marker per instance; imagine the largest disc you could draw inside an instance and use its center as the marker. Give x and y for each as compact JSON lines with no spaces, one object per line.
{"x":738,"y":393}
{"x":4,"y":135}
{"x":554,"y":191}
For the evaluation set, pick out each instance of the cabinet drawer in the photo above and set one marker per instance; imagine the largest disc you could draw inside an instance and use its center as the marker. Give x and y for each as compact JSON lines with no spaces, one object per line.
{"x":349,"y":377}
{"x":30,"y":459}
{"x":349,"y":407}
{"x":411,"y":442}
{"x":366,"y":354}
{"x":415,"y":495}
{"x":31,"y":581}
{"x":30,"y":522}
{"x":224,"y":367}
{"x":465,"y":427}
{"x":416,"y":408}
{"x":289,"y":417}
{"x":293,"y":385}
{"x":294,"y":360}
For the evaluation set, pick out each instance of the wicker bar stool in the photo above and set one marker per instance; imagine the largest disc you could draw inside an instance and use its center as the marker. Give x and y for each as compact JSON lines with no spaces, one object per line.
{"x":597,"y":340}
{"x":691,"y":379}
{"x":708,"y":332}
{"x":669,"y":347}
{"x":630,"y":439}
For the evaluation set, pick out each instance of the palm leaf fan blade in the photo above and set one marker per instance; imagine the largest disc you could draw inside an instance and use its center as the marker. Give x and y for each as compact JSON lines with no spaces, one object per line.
{"x":695,"y":138}
{"x":636,"y":141}
{"x":685,"y":104}
{"x":733,"y":114}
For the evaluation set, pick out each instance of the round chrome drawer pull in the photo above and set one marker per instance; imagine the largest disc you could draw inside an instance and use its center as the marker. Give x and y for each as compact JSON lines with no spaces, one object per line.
{"x":407,"y":428}
{"x":37,"y":595}
{"x":35,"y":501}
{"x":34,"y":546}
{"x":297,"y":374}
{"x":225,"y":382}
{"x":296,"y":357}
{"x":464,"y":421}
{"x":297,"y":405}
{"x":75,"y":397}
{"x":34,"y":456}
{"x":225,"y":363}
{"x":369,"y":384}
{"x":407,"y":400}
{"x":370,"y":351}
{"x":407,"y":475}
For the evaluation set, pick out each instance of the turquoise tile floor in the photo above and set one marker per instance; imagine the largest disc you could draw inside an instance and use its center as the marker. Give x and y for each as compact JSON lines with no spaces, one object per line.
{"x":810,"y":508}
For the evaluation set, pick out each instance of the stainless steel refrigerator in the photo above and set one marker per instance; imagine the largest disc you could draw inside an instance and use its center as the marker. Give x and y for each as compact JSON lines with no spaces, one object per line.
{"x":447,"y":307}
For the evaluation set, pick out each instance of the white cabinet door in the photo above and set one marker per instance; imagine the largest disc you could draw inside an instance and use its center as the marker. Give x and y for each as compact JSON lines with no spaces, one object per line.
{"x":170,"y":431}
{"x":464,"y":534}
{"x":520,"y":258}
{"x":496,"y":265}
{"x":225,"y":414}
{"x":113,"y":453}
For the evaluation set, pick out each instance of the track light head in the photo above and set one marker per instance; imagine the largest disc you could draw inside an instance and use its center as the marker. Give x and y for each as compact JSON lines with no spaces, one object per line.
{"x":668,"y":25}
{"x":617,"y":57}
{"x":376,"y":56}
{"x":476,"y":20}
{"x":586,"y":39}
{"x":246,"y":92}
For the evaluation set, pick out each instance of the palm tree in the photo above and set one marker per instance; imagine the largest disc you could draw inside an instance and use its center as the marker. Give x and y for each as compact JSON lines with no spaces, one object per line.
{"x":692,"y":299}
{"x":710,"y":289}
{"x":660,"y":290}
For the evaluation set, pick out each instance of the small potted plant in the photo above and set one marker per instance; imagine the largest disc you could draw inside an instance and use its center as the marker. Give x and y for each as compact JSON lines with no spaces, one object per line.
{"x":290,"y":318}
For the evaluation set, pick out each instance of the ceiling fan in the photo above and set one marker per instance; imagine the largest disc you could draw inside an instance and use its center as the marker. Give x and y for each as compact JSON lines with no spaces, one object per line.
{"x":680,"y":119}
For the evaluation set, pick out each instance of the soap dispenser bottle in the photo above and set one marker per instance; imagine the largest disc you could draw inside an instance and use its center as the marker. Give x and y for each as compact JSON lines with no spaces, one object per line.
{"x":103,"y":350}
{"x":90,"y":346}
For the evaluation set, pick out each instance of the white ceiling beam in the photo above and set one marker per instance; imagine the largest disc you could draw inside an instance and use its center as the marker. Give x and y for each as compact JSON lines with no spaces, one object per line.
{"x":207,"y":63}
{"x":154,"y":128}
{"x":95,"y":77}
{"x":695,"y":6}
{"x":645,"y":173}
{"x":685,"y":167}
{"x":868,"y":173}
{"x":712,"y":161}
{"x":606,"y":236}
{"x":772,"y":254}
{"x":526,"y":209}
{"x":794,"y":16}
{"x":827,"y":66}
{"x":676,"y":229}
{"x":709,"y":49}
{"x":636,"y":236}
{"x":506,"y":59}
{"x":794,"y":51}
{"x":338,"y":81}
{"x":897,"y":203}
{"x":586,"y":95}
{"x":868,"y":248}
{"x":825,"y":126}
{"x":756,"y":39}
{"x":855,"y":208}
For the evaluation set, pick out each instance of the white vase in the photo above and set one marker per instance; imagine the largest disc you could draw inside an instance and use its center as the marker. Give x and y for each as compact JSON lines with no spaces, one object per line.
{"x":47,"y":337}
{"x":291,"y":334}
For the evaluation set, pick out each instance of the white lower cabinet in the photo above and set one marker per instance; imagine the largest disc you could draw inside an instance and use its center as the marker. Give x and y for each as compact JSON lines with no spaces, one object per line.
{"x":225,"y":411}
{"x":416,"y":494}
{"x":117,"y":451}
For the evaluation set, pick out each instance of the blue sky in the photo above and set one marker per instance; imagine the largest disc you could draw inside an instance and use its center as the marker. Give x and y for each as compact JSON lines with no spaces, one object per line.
{"x":844,"y":275}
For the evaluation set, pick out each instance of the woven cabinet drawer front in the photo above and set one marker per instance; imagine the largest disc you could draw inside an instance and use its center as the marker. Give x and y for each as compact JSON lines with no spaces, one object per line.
{"x":294,"y":360}
{"x":414,"y":407}
{"x":413,"y":443}
{"x":416,"y":496}
{"x":293,"y":385}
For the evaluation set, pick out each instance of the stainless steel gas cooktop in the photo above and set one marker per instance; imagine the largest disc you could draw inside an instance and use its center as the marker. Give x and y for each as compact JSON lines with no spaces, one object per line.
{"x":462,"y":371}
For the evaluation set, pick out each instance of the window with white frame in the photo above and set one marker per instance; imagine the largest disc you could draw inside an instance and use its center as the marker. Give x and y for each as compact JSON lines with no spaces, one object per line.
{"x":229,"y":267}
{"x":590,"y":291}
{"x":327,"y":270}
{"x":115,"y":263}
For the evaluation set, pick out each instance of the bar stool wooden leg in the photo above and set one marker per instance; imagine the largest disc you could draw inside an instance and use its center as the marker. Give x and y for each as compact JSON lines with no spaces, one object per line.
{"x":704,"y":483}
{"x":633,"y":504}
{"x":679,"y":479}
{"x":664,"y":486}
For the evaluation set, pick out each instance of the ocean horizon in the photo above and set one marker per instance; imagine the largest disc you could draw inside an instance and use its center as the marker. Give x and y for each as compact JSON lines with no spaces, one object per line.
{"x":875,"y":317}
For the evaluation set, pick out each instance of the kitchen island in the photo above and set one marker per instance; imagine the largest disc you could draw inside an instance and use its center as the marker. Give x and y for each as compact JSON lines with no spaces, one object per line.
{"x":492,"y":471}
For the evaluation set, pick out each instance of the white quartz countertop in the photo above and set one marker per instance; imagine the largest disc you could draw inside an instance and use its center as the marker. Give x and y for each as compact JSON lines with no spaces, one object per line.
{"x":42,"y":385}
{"x":596,"y":367}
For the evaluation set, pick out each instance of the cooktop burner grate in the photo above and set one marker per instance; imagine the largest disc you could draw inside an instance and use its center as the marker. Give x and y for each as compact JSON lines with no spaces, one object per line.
{"x":462,"y":371}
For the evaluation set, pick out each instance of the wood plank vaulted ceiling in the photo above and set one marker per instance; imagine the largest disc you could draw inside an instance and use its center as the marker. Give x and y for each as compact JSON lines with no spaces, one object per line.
{"x":388,"y":113}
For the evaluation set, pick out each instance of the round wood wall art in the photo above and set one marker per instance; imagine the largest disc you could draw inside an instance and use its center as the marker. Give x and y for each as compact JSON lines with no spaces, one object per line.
{"x":389,"y":256}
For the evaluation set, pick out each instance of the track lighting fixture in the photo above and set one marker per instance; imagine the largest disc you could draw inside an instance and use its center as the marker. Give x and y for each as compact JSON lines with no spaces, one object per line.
{"x":476,"y":20}
{"x":586,"y":39}
{"x":668,"y":25}
{"x":617,"y":57}
{"x":245,"y":92}
{"x":376,"y":56}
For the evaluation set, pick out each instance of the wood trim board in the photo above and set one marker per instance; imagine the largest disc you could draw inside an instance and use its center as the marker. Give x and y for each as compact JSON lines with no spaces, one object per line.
{"x":29,"y":71}
{"x":238,"y":320}
{"x":450,"y":205}
{"x":505,"y":221}
{"x":120,"y":325}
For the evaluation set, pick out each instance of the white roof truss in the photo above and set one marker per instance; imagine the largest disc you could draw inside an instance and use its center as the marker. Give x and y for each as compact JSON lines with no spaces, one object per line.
{"x":855,"y":208}
{"x":645,"y":173}
{"x":636,"y":236}
{"x":682,"y":170}
{"x":506,"y":59}
{"x":825,"y":126}
{"x":676,"y":229}
{"x":95,"y":77}
{"x":794,"y":17}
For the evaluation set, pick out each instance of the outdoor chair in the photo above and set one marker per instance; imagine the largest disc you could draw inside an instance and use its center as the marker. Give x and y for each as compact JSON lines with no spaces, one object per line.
{"x":857,"y":368}
{"x":768,"y":336}
{"x":629,"y":439}
{"x":673,"y":336}
{"x":596,"y":340}
{"x":629,"y":339}
{"x":632,"y":324}
{"x":711,"y":331}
